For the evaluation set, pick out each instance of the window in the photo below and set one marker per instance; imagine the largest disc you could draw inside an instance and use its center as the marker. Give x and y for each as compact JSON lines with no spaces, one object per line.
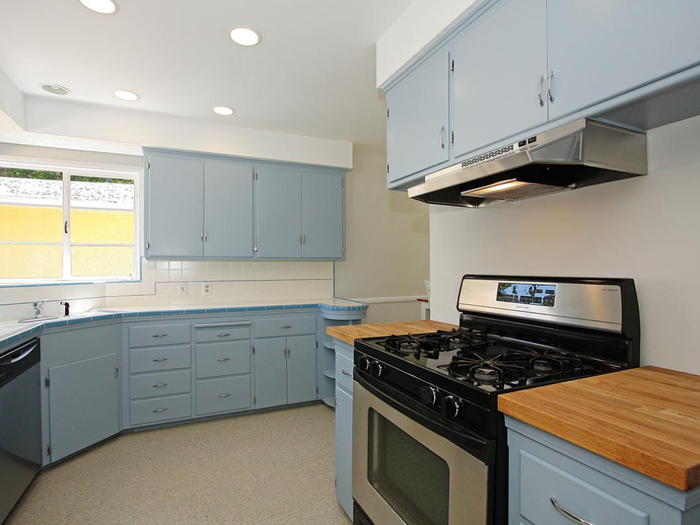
{"x":67,"y":224}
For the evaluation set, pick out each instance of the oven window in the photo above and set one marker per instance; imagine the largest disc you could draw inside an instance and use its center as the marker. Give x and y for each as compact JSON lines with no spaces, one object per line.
{"x":409,"y":476}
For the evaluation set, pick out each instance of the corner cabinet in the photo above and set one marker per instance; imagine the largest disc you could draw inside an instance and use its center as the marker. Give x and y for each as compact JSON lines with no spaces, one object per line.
{"x":202,"y":206}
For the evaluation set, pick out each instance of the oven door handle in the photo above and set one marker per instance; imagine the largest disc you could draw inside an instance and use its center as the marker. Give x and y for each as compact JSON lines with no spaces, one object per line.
{"x":482,"y":448}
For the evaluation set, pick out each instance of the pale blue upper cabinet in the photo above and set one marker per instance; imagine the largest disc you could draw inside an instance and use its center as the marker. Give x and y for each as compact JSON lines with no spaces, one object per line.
{"x":84,"y":404}
{"x":322,"y":215}
{"x":228,"y":209}
{"x":175,"y":207}
{"x":600,"y":49}
{"x":499,"y":79}
{"x":301,"y":368}
{"x":417,"y":123}
{"x":278,"y":213}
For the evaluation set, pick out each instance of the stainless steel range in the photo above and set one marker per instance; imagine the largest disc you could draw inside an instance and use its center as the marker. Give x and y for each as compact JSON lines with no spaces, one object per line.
{"x":429,"y":444}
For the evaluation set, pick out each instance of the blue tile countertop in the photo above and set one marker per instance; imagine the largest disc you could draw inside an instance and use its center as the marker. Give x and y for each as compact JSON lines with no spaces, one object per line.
{"x":11,"y":331}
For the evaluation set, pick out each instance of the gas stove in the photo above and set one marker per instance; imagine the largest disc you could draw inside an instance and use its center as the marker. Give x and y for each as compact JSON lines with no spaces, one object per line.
{"x":441,"y":389}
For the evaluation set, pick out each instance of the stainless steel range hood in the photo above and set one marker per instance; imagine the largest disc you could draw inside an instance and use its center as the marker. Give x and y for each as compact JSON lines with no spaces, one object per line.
{"x":578,"y":154}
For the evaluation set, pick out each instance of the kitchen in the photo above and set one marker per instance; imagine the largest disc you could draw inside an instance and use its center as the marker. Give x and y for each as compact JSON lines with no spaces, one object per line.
{"x":310,"y":163}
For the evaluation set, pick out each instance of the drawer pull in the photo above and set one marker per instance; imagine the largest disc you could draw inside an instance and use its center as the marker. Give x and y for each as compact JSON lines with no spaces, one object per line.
{"x":568,"y":514}
{"x":159,"y":410}
{"x":160,"y":385}
{"x":347,"y":373}
{"x":224,"y":395}
{"x":286,"y":326}
{"x":160,"y":360}
{"x":223,"y":359}
{"x":159,"y":335}
{"x":224,"y":335}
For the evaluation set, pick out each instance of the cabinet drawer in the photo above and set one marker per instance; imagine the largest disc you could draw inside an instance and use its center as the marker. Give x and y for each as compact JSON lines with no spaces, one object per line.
{"x":157,"y":359}
{"x":222,"y":333}
{"x":285,"y":326}
{"x":223,"y":359}
{"x":223,"y":395}
{"x":161,"y":409}
{"x":343,"y":367}
{"x":158,"y":335}
{"x":163,"y":384}
{"x":572,"y":494}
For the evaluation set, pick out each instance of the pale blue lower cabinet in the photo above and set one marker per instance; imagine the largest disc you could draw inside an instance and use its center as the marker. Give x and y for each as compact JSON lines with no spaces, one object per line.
{"x":270,"y":372}
{"x":160,"y":409}
{"x":301,"y":369}
{"x":224,"y":394}
{"x":160,"y":384}
{"x":343,"y":425}
{"x":80,"y":388}
{"x":546,"y":472}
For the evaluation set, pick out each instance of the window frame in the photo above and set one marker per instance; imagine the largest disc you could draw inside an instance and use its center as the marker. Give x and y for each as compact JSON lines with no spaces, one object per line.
{"x":76,"y":169}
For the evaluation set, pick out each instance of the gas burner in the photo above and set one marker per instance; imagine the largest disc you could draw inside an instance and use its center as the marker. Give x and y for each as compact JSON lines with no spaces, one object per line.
{"x":544,"y":366}
{"x":486,"y":375}
{"x":401,"y":344}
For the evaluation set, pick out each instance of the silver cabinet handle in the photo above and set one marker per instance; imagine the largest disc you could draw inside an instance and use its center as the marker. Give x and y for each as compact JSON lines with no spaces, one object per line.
{"x":160,"y":359}
{"x":223,"y":359}
{"x":116,"y":370}
{"x":224,"y":335}
{"x":549,"y":86}
{"x":159,"y":335}
{"x":159,"y":410}
{"x":206,"y":235}
{"x":160,"y":385}
{"x":347,"y":373}
{"x":303,"y":238}
{"x":568,"y":514}
{"x":224,"y":395}
{"x":539,"y":91}
{"x":201,"y":235}
{"x":286,"y":326}
{"x":299,"y":238}
{"x":442,"y":142}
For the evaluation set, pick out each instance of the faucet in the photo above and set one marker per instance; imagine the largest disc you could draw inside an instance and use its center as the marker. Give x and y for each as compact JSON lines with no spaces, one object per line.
{"x":39,"y":307}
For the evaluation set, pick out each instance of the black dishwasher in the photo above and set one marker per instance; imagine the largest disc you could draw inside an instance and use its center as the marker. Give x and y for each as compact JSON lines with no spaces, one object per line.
{"x":20,"y":422}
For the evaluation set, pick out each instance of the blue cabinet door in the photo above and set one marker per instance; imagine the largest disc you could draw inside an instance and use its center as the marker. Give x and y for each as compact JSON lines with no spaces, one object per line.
{"x":228,"y":209}
{"x":270,"y":372}
{"x":417,"y":123}
{"x":301,"y":368}
{"x":322,"y":213}
{"x":175,"y":207}
{"x":600,"y":49}
{"x":83,"y":404}
{"x":343,"y":449}
{"x":500,"y":62}
{"x":278,"y":213}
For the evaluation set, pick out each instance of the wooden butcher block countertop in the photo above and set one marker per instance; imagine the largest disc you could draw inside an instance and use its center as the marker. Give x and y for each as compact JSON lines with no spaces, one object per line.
{"x":647,"y":419}
{"x":348,"y":333}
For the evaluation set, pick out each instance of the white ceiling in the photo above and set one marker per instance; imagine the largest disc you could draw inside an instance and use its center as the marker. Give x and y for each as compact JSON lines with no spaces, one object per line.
{"x":313,"y":74}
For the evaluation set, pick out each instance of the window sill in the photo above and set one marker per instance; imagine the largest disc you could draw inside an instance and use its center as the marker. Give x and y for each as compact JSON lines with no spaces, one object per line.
{"x":35,"y":284}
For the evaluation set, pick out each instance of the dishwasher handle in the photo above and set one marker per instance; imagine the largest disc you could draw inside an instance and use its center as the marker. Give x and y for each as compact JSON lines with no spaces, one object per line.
{"x":19,"y":359}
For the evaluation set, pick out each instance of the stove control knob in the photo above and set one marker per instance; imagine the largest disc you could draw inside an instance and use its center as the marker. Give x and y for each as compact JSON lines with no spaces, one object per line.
{"x":429,"y":395}
{"x":377,"y":369}
{"x":365,"y":363}
{"x":452,"y":407}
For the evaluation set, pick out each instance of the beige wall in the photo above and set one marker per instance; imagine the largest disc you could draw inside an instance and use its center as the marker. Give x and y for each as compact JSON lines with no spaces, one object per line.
{"x":387,"y":242}
{"x":646,"y":228}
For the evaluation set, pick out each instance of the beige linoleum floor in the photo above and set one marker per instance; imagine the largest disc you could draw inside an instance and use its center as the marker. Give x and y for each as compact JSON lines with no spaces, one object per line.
{"x":263,"y":469}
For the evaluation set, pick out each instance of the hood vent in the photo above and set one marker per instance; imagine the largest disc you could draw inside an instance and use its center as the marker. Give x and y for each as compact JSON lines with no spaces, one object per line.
{"x":582,"y":153}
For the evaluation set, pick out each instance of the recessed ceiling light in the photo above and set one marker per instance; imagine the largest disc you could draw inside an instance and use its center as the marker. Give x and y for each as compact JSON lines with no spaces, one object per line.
{"x":224,"y":110}
{"x":54,"y":89}
{"x":104,"y":7}
{"x":245,"y":36}
{"x":129,"y":96}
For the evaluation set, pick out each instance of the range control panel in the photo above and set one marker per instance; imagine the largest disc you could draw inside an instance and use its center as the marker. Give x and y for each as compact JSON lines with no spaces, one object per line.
{"x":524,"y":293}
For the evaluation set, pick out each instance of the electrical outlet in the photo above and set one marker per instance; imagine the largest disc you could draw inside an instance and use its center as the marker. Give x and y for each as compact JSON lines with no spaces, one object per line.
{"x":206,"y":288}
{"x":182,"y":289}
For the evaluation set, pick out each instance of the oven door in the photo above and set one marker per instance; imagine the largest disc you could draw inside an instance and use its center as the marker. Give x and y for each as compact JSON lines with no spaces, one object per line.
{"x":407,"y":467}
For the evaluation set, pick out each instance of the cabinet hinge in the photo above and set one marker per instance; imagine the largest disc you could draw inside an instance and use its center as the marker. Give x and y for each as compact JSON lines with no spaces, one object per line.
{"x":48,"y":450}
{"x":318,"y":390}
{"x":336,"y":482}
{"x":47,"y":382}
{"x":316,"y":344}
{"x":387,"y":112}
{"x":452,"y":138}
{"x":253,"y":350}
{"x":148,"y":165}
{"x":342,"y":184}
{"x":255,"y":400}
{"x":148,"y":245}
{"x":452,"y":67}
{"x":335,"y":401}
{"x":387,"y":168}
{"x":343,"y":250}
